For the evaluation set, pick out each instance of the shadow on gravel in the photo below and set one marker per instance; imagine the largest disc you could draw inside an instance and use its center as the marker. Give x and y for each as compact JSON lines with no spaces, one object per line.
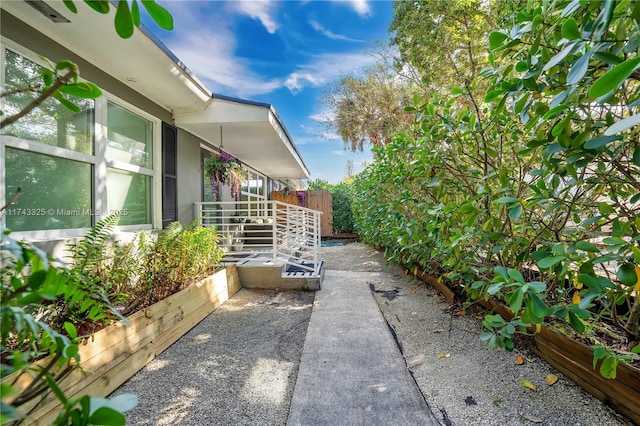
{"x":237,"y":367}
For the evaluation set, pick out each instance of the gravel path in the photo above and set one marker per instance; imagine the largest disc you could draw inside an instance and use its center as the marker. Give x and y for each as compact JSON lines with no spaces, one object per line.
{"x":470,"y":384}
{"x":237,"y":367}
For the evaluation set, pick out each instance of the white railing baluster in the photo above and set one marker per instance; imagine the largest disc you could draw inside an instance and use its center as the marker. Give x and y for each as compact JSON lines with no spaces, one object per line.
{"x":290,"y":236}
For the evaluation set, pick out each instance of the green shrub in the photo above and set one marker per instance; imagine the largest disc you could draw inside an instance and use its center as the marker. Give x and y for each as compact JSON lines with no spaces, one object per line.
{"x":532,"y":196}
{"x":149,"y":269}
{"x":342,"y":199}
{"x":45,"y":310}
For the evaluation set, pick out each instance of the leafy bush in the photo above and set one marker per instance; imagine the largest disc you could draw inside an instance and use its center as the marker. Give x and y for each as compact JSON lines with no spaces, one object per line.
{"x":149,"y":269}
{"x":48,"y":308}
{"x":342,"y":201}
{"x":41,"y":299}
{"x":531,"y":196}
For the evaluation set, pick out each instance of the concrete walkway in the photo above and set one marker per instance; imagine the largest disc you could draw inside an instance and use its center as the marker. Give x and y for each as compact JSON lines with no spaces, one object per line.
{"x":352,"y":372}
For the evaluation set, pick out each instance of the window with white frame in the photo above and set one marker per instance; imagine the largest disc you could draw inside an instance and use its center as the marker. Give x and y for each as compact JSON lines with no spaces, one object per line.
{"x":73,"y":168}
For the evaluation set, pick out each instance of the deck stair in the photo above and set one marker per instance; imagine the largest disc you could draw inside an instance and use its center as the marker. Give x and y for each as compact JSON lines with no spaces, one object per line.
{"x":274,"y":245}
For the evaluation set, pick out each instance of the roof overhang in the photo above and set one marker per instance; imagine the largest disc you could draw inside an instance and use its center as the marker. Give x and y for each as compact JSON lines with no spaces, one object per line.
{"x":252,"y":131}
{"x":155,"y":72}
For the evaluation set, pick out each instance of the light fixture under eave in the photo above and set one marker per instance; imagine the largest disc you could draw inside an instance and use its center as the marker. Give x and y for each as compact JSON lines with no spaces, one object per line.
{"x":47,"y":11}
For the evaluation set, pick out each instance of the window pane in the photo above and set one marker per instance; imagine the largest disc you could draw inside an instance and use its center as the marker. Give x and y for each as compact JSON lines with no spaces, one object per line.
{"x":129,"y":193}
{"x":130,"y":137}
{"x":50,"y":123}
{"x":56,"y":192}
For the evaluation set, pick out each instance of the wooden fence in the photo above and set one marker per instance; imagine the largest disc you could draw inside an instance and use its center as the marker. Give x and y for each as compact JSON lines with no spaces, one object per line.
{"x":316,"y":200}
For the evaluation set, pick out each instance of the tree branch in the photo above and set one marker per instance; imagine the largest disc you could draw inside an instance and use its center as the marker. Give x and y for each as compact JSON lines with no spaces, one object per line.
{"x":60,"y":81}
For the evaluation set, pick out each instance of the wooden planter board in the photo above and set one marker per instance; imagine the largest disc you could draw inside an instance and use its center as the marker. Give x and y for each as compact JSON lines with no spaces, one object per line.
{"x":117,"y":352}
{"x":435,"y":283}
{"x":574,"y":359}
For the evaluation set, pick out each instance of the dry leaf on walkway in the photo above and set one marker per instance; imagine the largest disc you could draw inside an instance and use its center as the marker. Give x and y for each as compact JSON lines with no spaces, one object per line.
{"x":519,"y":360}
{"x":443,"y":355}
{"x":527,"y":384}
{"x":551,"y":379}
{"x":439,"y":330}
{"x":532,"y":419}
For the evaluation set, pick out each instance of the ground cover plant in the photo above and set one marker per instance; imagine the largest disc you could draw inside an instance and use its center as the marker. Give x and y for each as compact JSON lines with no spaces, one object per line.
{"x":523,"y":184}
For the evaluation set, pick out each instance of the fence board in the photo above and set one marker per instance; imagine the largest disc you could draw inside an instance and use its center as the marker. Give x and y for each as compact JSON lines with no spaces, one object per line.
{"x":322,"y":201}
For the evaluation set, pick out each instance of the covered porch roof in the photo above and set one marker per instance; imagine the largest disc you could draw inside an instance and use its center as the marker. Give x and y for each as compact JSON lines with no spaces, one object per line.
{"x":252,"y":131}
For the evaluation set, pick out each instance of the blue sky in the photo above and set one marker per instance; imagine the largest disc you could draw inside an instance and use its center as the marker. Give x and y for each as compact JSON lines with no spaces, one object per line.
{"x":283,"y":53}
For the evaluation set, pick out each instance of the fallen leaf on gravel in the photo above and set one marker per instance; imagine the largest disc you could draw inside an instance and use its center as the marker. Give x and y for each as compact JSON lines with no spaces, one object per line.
{"x":533,"y":419}
{"x":460,"y":313}
{"x":519,"y":360}
{"x":438,"y":330}
{"x":442,"y":355}
{"x":527,"y":384}
{"x":551,"y":379}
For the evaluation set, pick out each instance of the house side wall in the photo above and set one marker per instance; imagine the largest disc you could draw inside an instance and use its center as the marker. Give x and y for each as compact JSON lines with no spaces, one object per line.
{"x":189,"y":167}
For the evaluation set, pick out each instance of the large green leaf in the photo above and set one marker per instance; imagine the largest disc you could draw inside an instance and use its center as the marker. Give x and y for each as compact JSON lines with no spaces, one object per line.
{"x":107,"y":416}
{"x":550,"y":261}
{"x":576,"y":323}
{"x":135,"y":13}
{"x":101,"y":6}
{"x":83,"y":89}
{"x":587,"y":246}
{"x":608,"y":367}
{"x":70,"y":5}
{"x":66,"y":103}
{"x":159,"y":14}
{"x":570,"y":29}
{"x":124,"y":20}
{"x":515,"y":212}
{"x":622,"y":125}
{"x":580,"y":68}
{"x":562,"y":55}
{"x":600,"y":141}
{"x":515,"y":300}
{"x":612,"y":79}
{"x":496,"y":40}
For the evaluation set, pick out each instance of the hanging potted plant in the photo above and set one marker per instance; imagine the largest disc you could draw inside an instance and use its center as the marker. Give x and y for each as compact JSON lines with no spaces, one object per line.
{"x":224,"y":169}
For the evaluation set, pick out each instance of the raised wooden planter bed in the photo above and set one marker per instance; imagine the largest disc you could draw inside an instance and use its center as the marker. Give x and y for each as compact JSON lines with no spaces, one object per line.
{"x":347,"y":238}
{"x":574,"y":359}
{"x":117,"y":352}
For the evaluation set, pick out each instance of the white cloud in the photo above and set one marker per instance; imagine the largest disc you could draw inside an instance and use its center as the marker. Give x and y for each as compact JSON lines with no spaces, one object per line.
{"x":322,"y":69}
{"x":361,"y":7}
{"x":338,"y":153}
{"x":206,"y":45}
{"x":265,"y":11}
{"x":318,"y":27}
